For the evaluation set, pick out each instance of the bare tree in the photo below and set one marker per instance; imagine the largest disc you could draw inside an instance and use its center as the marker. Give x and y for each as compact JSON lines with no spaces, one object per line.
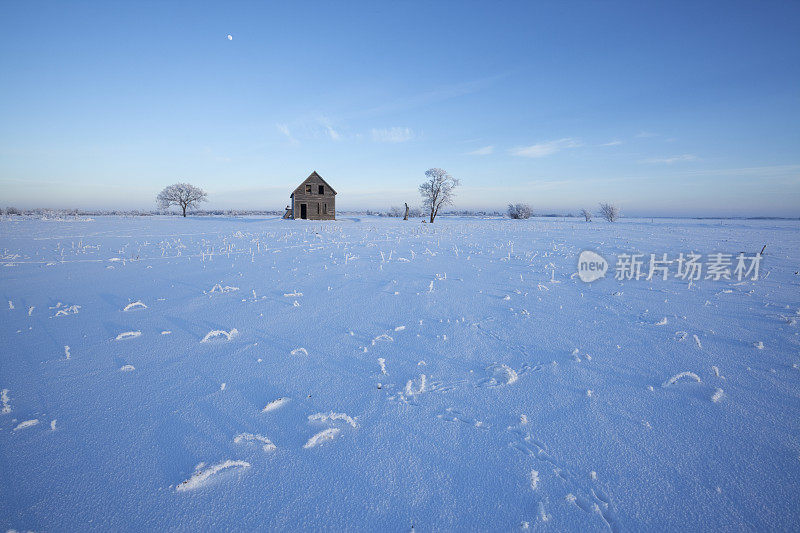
{"x":609,"y":212}
{"x":183,"y":195}
{"x":519,"y":211}
{"x":405,"y":217}
{"x":438,"y":190}
{"x":586,"y":214}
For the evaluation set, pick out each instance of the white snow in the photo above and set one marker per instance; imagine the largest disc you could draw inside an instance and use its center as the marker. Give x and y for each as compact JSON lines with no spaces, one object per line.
{"x":26,"y":424}
{"x":322,"y":436}
{"x":266,"y":444}
{"x":219,"y":288}
{"x":202,"y":475}
{"x":135,"y":305}
{"x":220,"y":333}
{"x":332,"y":417}
{"x":552,"y":392}
{"x":67,"y":310}
{"x":718,"y":395}
{"x":275,"y":404}
{"x":682,"y":375}
{"x":534,"y":480}
{"x":128,"y":335}
{"x":6,"y":402}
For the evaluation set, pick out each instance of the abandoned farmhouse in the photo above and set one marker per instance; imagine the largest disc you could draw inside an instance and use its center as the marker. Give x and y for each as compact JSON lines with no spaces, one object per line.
{"x":314,"y":199}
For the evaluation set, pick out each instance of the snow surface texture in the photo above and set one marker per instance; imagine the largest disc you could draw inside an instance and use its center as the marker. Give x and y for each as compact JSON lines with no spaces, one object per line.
{"x":384,"y":375}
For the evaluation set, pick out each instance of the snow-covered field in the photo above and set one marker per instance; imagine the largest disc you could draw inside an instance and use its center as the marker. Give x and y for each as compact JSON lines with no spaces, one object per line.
{"x":374,"y":374}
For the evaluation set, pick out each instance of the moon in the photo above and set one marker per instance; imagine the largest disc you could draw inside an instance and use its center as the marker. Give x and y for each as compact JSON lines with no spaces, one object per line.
{"x":230,"y":37}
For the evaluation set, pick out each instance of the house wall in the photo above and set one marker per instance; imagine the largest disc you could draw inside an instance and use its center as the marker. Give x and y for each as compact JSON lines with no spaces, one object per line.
{"x":313,"y":199}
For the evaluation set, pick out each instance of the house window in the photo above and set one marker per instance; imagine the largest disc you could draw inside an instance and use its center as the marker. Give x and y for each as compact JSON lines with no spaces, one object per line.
{"x":308,"y":188}
{"x":324,"y":209}
{"x":322,"y":189}
{"x":318,"y":208}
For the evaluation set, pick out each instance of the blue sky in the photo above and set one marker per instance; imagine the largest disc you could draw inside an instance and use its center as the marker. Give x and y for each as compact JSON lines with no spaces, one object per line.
{"x":678,"y":108}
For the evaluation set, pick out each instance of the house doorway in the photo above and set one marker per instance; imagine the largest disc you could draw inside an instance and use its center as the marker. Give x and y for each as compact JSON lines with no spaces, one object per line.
{"x":303,"y":213}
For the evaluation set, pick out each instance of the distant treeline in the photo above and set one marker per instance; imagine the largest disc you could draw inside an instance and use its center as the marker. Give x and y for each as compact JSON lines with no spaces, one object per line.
{"x":414,"y":212}
{"x":45,"y":212}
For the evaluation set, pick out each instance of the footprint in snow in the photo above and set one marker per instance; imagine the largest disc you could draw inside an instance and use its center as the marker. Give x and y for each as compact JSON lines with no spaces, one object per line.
{"x":26,"y":424}
{"x":585,"y":491}
{"x":500,"y":374}
{"x":330,"y":433}
{"x":66,"y":310}
{"x":332,"y":417}
{"x":128,"y":335}
{"x":383,"y":337}
{"x":202,"y":475}
{"x":275,"y":404}
{"x":685,"y":376}
{"x":321,"y":437}
{"x":134,"y":305}
{"x":219,"y":288}
{"x":219,"y":333}
{"x":454,"y":415}
{"x":266,"y":444}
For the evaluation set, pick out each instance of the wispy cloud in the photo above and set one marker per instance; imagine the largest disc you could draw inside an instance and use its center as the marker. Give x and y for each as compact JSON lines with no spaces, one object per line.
{"x":283,"y":128}
{"x":330,"y":132}
{"x":392,"y":135}
{"x":486,"y":150}
{"x":430,"y":97}
{"x":670,"y":160}
{"x":545,"y":148}
{"x":645,"y":134}
{"x":615,"y":142}
{"x":333,"y":134}
{"x":762,"y":172}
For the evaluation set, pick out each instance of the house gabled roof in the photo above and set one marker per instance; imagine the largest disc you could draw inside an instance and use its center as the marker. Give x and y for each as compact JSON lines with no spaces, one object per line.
{"x":314,"y":175}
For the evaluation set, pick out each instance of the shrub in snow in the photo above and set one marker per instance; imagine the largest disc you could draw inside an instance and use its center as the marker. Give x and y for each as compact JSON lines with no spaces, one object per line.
{"x":518,"y":211}
{"x":609,"y":212}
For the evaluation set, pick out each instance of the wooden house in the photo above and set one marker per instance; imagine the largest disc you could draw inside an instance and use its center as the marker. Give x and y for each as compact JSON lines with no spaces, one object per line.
{"x":314,"y":199}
